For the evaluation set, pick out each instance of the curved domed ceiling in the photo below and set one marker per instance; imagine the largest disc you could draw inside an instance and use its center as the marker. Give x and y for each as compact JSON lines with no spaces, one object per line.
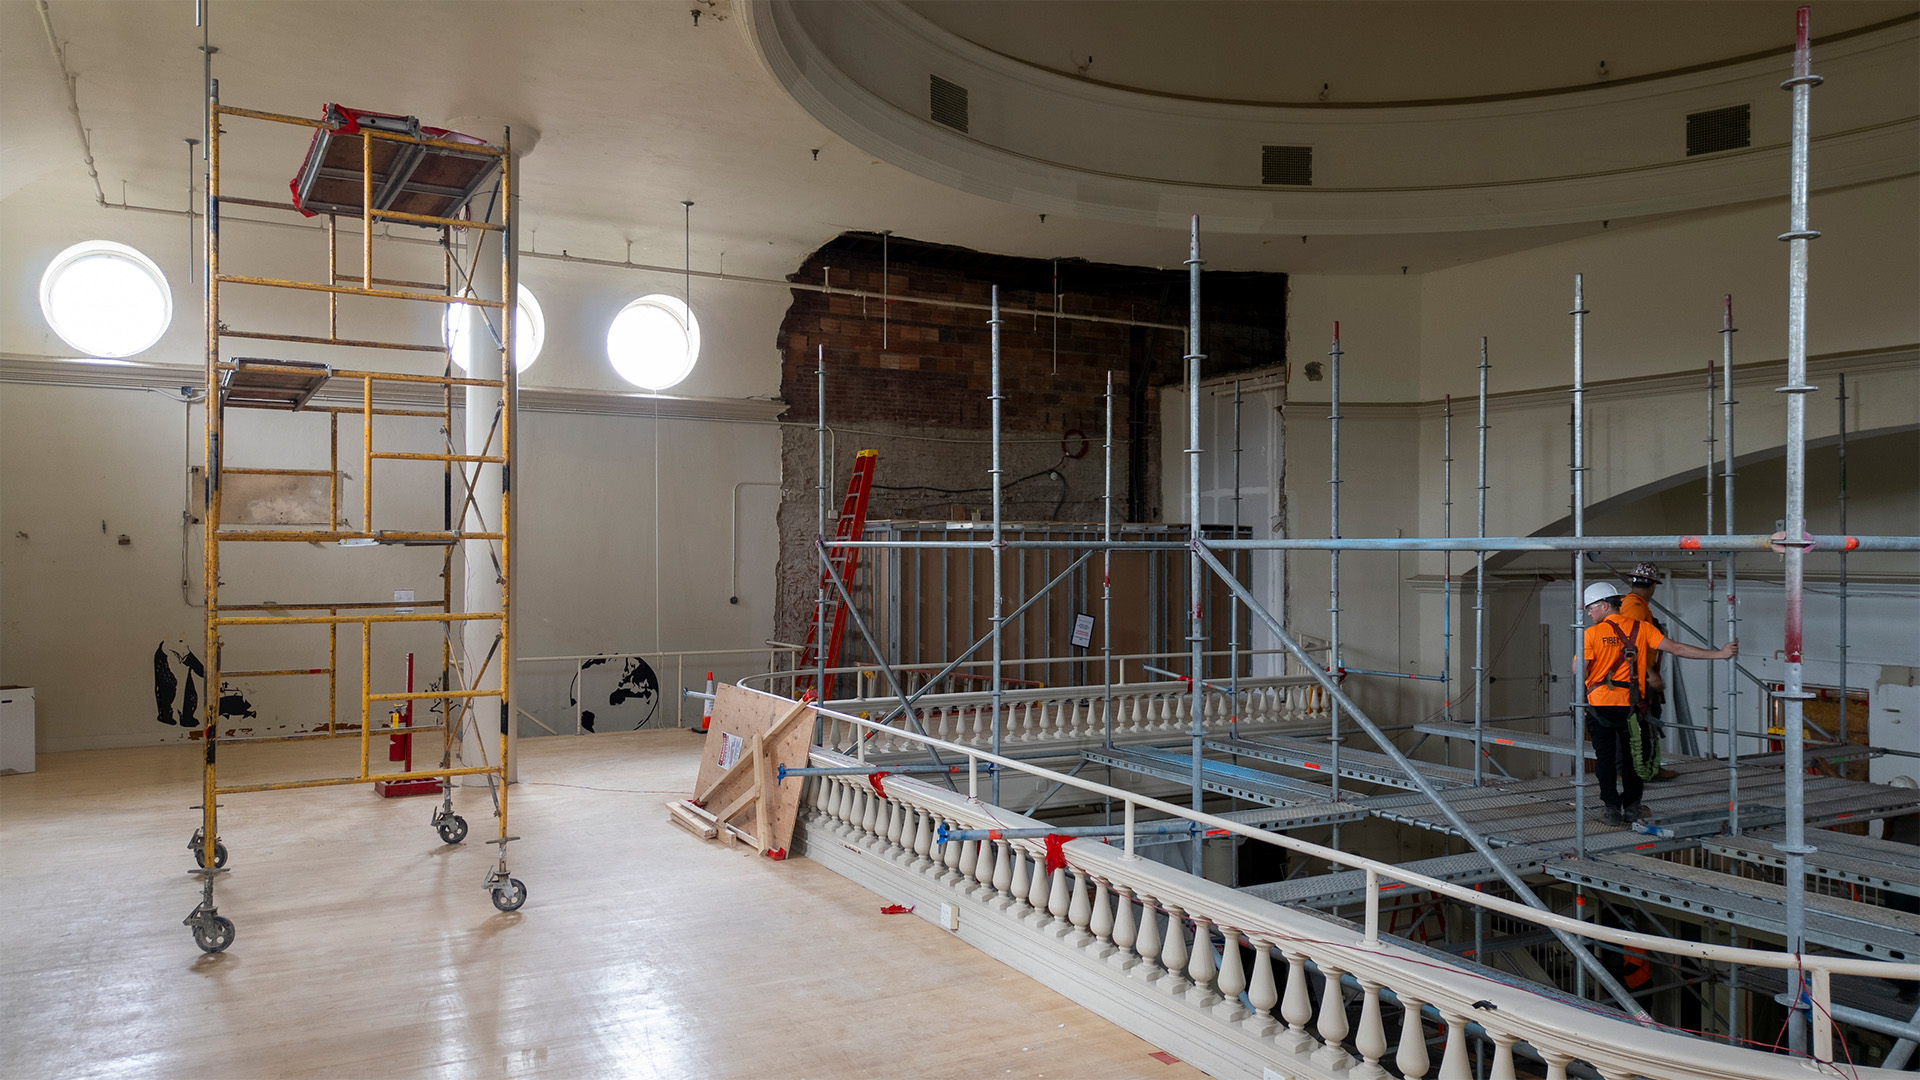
{"x":1437,"y":117}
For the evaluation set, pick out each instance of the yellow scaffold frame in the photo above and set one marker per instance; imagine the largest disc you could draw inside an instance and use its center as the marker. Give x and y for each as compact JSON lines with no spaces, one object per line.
{"x":212,"y":931}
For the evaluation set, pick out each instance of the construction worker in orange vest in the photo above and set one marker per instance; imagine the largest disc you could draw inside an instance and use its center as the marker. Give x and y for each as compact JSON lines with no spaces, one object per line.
{"x":1617,"y":653}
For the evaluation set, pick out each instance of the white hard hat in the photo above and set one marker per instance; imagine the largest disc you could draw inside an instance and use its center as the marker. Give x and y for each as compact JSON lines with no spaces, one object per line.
{"x":1604,"y":590}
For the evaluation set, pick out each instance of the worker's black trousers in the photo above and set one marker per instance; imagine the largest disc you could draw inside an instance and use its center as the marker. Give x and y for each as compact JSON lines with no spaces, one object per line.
{"x":1620,"y":786}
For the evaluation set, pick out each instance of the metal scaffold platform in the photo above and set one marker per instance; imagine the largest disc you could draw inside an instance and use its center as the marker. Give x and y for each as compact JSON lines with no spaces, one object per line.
{"x":370,"y":168}
{"x":1854,"y":860}
{"x":1863,"y":929}
{"x":1316,"y":756}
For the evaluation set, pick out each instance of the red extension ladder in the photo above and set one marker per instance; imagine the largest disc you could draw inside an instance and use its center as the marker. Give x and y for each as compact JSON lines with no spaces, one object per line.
{"x":844,"y":560}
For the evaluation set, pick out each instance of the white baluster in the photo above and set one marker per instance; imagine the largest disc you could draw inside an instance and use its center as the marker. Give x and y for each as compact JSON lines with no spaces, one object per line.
{"x":1173,"y":953}
{"x":1059,"y":904}
{"x":1003,"y":874}
{"x":1080,"y":910}
{"x":1371,"y":1039}
{"x":982,"y":889}
{"x":1200,"y":966}
{"x":950,"y":857}
{"x":922,"y":839}
{"x":870,"y":819}
{"x":836,"y":799}
{"x":1019,"y":882}
{"x":1453,"y":1061}
{"x":1233,"y":978}
{"x":898,"y":838}
{"x":1125,"y":931}
{"x":1039,"y":888}
{"x":1412,"y":1053}
{"x":1148,"y":946}
{"x":1333,"y":1021}
{"x":1262,"y":993}
{"x":1557,"y":1063}
{"x":1100,"y":922}
{"x":1502,"y":1055}
{"x":969,"y":864}
{"x":1296,"y":1006}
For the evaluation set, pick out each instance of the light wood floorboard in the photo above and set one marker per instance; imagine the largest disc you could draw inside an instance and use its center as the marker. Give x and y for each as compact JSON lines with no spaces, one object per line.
{"x":367,"y":948}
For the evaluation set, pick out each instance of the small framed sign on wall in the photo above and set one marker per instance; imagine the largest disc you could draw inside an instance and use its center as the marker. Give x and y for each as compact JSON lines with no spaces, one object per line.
{"x":1082,"y":631}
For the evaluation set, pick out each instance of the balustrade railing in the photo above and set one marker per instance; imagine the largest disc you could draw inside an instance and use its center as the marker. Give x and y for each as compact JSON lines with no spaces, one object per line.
{"x":1248,"y":967}
{"x":1079,"y":713}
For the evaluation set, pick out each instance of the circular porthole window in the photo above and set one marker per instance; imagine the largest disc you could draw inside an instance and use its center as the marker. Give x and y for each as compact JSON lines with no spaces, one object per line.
{"x":529,"y":330}
{"x":654,"y":341}
{"x":106,"y":299}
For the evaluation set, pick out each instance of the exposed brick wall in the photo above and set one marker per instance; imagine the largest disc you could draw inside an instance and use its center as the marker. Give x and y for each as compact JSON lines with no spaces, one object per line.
{"x":921,"y":398}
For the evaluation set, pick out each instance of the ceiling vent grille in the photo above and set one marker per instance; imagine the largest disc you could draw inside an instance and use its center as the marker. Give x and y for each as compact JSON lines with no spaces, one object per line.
{"x":1715,"y":130}
{"x":949,"y":102}
{"x":1287,"y":165}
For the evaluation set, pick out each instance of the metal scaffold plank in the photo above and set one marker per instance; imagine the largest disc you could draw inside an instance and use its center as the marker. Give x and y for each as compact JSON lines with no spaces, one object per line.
{"x":1749,"y":904}
{"x":1833,"y":860}
{"x":1350,"y":886}
{"x":1354,"y":764}
{"x":1240,"y":782}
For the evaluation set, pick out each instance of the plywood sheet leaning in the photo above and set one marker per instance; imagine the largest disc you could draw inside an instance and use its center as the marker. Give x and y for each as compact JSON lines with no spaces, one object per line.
{"x":736,"y":793}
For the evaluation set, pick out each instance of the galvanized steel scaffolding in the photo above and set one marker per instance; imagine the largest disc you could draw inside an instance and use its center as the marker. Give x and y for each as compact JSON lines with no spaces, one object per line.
{"x":1794,"y":542}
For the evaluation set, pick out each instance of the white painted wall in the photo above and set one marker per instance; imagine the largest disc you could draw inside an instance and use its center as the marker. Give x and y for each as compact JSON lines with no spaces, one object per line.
{"x":82,"y":614}
{"x":1654,"y":291}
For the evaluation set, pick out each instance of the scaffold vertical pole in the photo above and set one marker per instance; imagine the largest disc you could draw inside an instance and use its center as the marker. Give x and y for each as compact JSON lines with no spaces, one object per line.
{"x":1727,"y":402}
{"x":1480,"y":584}
{"x":1794,"y":543}
{"x":1578,"y":471}
{"x":1446,"y":565}
{"x":999,"y":548}
{"x":1196,"y":628}
{"x":1333,"y":565}
{"x":1106,"y":568}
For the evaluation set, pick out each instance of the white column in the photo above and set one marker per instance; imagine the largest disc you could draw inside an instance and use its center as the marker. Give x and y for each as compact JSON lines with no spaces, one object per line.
{"x":480,"y":580}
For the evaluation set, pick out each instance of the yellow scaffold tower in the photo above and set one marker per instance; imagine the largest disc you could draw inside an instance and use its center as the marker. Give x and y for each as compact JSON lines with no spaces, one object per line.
{"x":388,"y":170}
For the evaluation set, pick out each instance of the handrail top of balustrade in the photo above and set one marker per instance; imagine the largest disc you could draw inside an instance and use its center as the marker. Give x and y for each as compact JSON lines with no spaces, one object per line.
{"x":1025,"y":694}
{"x":1383,"y":871}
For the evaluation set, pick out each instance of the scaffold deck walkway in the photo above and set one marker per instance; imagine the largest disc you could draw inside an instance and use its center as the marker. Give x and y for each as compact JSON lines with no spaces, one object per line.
{"x":1856,"y":860}
{"x":1350,"y":886}
{"x":1219,"y":777}
{"x":1876,"y":932}
{"x":1314,"y":754}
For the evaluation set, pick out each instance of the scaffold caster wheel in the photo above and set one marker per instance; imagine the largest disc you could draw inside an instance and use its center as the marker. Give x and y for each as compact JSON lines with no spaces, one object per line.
{"x":453,"y":829}
{"x":219,"y":855}
{"x":509,"y":895}
{"x":213,"y":933}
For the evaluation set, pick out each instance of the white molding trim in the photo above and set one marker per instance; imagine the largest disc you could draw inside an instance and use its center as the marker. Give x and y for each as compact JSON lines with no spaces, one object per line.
{"x":25,"y":369}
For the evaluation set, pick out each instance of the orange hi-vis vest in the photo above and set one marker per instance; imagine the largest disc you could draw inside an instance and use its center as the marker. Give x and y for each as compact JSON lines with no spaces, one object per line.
{"x":1614,"y":678}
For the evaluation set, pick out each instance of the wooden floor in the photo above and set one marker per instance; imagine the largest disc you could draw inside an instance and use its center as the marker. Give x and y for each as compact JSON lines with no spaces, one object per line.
{"x":366,"y":948}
